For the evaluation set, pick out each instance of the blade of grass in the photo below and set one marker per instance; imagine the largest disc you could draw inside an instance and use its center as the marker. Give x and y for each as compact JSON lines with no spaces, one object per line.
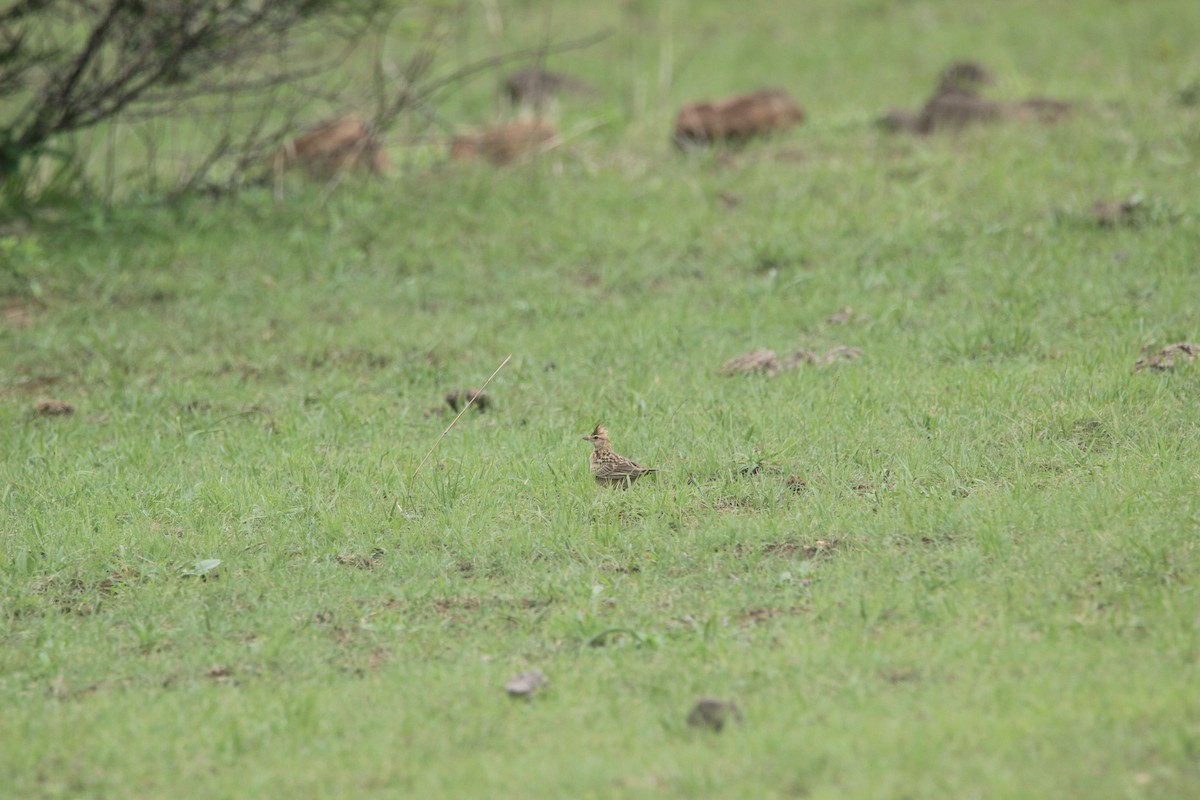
{"x":470,"y":399}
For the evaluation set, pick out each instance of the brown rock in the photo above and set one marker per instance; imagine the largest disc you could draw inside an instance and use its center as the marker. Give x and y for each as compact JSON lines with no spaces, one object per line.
{"x":736,"y":119}
{"x":503,"y":144}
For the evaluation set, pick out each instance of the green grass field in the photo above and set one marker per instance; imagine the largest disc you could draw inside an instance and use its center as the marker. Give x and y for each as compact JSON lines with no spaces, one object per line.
{"x":985,"y":585}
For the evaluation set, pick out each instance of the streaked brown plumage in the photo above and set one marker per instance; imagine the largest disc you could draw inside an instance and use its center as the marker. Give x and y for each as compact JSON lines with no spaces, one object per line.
{"x":608,"y":468}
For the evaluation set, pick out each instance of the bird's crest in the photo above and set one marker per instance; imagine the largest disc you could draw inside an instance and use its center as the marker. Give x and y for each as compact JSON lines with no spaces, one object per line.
{"x":600,"y":431}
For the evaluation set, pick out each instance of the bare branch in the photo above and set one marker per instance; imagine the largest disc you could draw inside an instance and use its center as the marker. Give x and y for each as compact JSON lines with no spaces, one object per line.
{"x":22,"y":9}
{"x":57,"y":102}
{"x":69,"y":65}
{"x":507,"y":58}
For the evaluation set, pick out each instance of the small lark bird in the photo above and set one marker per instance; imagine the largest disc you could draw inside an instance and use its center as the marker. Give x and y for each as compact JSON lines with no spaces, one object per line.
{"x":608,"y":468}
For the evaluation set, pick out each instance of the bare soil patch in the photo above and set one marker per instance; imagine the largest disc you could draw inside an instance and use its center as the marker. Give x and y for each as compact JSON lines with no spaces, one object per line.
{"x":16,"y":314}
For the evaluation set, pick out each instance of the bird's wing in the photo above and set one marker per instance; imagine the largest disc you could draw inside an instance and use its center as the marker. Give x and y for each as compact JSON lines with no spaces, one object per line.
{"x":617,"y":468}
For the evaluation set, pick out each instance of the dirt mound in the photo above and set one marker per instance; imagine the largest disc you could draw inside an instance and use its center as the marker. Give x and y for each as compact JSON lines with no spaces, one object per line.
{"x":333,"y":147}
{"x":736,"y":119}
{"x":503,"y":144}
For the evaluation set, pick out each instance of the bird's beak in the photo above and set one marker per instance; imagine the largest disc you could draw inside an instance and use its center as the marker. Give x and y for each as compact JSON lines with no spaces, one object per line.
{"x":586,"y":438}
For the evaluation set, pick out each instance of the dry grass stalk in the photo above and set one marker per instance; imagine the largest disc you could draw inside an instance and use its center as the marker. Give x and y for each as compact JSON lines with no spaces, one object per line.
{"x":453,"y":422}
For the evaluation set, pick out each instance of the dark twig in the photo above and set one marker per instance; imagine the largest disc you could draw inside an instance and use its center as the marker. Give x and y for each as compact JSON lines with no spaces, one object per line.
{"x":507,"y":58}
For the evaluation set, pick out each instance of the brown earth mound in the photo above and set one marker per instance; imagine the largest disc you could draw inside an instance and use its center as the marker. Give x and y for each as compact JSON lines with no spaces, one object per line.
{"x":736,"y":119}
{"x":332,"y":147}
{"x":503,"y":144}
